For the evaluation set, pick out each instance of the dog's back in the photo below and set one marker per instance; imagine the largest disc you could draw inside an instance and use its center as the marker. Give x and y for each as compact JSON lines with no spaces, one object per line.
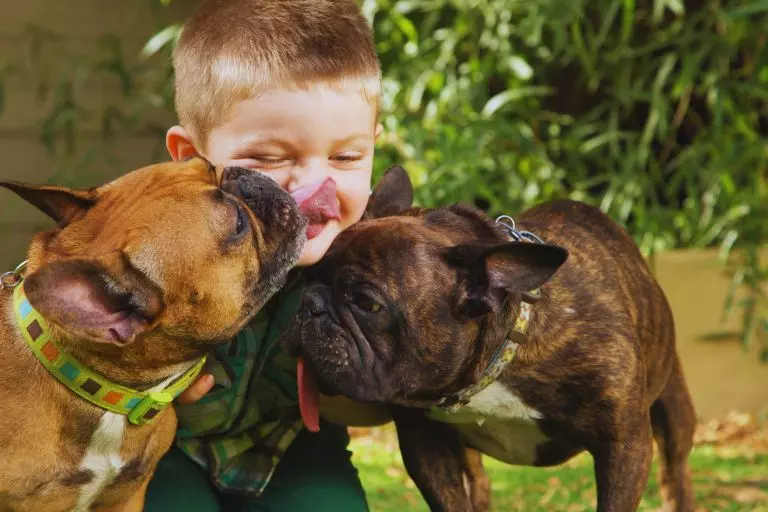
{"x":602,"y":252}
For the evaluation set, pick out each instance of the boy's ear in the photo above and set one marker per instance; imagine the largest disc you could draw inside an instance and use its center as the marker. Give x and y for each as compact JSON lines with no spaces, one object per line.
{"x":392,"y":195}
{"x":62,"y":204}
{"x":105,"y":300}
{"x":490,"y":273}
{"x":179,"y":143}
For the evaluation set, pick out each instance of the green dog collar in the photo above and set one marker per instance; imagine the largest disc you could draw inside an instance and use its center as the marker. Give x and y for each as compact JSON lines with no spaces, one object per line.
{"x":503,"y":356}
{"x":506,"y":352}
{"x":140,"y":406}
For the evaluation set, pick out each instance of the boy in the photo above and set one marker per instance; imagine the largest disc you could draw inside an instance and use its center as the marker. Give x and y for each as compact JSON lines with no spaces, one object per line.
{"x":291,"y":88}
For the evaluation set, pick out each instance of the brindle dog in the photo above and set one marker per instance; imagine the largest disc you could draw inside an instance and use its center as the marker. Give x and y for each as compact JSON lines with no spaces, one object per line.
{"x":412,"y":306}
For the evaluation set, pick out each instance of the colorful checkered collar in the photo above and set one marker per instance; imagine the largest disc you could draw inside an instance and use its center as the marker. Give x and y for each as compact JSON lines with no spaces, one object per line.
{"x":506,"y":352}
{"x":140,"y":406}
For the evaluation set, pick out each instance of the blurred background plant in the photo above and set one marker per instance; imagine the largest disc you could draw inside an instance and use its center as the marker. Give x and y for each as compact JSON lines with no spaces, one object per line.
{"x":654,"y":110}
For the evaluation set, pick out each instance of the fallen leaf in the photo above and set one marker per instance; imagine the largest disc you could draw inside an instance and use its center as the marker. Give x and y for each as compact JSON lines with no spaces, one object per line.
{"x":393,"y":472}
{"x":750,"y":495}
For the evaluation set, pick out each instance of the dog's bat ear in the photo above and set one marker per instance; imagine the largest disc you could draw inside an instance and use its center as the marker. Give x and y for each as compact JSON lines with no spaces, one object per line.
{"x":104,"y":300}
{"x":492,"y":272}
{"x":62,"y":204}
{"x":392,"y":195}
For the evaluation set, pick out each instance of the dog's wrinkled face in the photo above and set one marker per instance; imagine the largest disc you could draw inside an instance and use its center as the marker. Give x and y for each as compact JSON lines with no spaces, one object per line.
{"x":183,"y":250}
{"x":392,"y":312}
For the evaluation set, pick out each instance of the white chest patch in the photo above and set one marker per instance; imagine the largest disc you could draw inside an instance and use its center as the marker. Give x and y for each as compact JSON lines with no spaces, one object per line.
{"x":102,"y":458}
{"x":497,"y":423}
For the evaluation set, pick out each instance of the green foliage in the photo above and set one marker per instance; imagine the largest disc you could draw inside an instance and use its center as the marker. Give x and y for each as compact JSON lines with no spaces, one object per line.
{"x":655,"y":114}
{"x":655,"y":110}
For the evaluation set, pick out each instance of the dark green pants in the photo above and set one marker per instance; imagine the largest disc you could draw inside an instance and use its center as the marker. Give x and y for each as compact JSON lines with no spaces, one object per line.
{"x":315,"y":474}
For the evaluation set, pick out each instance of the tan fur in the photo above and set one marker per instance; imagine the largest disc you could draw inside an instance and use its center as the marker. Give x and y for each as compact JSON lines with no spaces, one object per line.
{"x":166,"y":220}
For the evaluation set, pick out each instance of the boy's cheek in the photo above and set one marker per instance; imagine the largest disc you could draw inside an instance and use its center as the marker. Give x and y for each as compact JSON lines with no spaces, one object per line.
{"x":353,"y":207}
{"x":355,"y":188}
{"x":315,"y":249}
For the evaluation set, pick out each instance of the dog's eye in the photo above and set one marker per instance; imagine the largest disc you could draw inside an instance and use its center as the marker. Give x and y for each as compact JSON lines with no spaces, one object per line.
{"x":365,"y":303}
{"x":242,"y":221}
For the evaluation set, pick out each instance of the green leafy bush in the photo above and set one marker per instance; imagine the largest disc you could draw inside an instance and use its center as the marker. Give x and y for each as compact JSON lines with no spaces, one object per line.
{"x":654,"y":110}
{"x":656,"y":114}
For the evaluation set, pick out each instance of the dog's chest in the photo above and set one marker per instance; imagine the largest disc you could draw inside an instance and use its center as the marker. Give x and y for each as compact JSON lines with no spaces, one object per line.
{"x":102,"y":458}
{"x":498,"y":423}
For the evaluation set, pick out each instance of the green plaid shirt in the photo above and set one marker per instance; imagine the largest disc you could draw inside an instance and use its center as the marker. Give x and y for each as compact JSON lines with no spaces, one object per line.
{"x":242,"y":427}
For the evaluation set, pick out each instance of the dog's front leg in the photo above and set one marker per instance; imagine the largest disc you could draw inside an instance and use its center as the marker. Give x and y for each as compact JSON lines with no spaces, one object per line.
{"x":434,"y":457}
{"x":622,"y":467}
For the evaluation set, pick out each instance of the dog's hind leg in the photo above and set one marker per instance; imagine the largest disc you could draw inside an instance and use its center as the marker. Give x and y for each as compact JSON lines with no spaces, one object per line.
{"x":674,"y":421}
{"x":477,"y":483}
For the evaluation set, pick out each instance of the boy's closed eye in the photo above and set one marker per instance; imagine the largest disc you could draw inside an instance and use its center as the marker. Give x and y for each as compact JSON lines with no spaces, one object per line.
{"x":271,"y":161}
{"x":347,"y":159}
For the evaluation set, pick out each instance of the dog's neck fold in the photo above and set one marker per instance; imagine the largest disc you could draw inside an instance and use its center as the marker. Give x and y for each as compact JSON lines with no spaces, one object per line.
{"x":140,"y":406}
{"x":149,"y":360}
{"x":493,"y":335}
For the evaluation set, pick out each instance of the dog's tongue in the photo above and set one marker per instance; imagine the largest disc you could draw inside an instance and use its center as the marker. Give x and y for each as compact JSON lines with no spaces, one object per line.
{"x":317,"y":201}
{"x":309,"y":397}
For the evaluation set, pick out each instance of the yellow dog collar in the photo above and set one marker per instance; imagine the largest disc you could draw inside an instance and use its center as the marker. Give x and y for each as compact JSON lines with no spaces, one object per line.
{"x":140,"y":406}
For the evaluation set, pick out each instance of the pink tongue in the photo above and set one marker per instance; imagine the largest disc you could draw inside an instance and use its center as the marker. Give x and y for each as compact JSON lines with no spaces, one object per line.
{"x":317,"y":201}
{"x":309,"y":397}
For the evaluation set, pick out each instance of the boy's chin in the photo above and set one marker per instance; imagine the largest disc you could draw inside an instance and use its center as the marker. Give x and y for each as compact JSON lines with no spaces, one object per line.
{"x":316,"y":247}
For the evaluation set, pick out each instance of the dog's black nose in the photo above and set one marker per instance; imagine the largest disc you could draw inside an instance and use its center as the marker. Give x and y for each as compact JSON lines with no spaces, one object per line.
{"x":272,"y":205}
{"x":314,"y":302}
{"x":229,"y":180}
{"x":247,"y":184}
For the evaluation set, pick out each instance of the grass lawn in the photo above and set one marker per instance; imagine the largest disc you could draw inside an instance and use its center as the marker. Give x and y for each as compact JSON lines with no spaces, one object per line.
{"x":726,"y":477}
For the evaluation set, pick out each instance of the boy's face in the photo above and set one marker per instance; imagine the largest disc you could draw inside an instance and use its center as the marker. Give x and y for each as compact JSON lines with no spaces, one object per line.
{"x":300,"y":138}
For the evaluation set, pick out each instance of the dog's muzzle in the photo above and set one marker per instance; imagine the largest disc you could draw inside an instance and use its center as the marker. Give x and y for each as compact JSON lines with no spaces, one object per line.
{"x":272,"y":205}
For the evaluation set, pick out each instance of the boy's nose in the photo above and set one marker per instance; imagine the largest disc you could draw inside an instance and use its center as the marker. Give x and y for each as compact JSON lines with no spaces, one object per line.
{"x":311,"y":171}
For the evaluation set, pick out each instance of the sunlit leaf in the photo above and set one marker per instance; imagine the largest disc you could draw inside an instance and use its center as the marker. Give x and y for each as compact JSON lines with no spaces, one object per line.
{"x":520,"y":67}
{"x":511,"y":95}
{"x":751,"y":8}
{"x":160,"y":40}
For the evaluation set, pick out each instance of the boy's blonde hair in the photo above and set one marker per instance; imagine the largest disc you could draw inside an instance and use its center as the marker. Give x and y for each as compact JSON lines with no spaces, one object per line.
{"x":231,"y":50}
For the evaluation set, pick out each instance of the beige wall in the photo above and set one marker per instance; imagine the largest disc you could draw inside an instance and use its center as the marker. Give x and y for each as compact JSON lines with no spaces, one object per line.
{"x":721,"y":375}
{"x":79,"y":25}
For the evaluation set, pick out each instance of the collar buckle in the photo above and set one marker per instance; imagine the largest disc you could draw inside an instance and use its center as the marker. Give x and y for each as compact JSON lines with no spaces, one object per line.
{"x":11,"y":280}
{"x":152,"y":404}
{"x":518,"y":236}
{"x":453,"y":403}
